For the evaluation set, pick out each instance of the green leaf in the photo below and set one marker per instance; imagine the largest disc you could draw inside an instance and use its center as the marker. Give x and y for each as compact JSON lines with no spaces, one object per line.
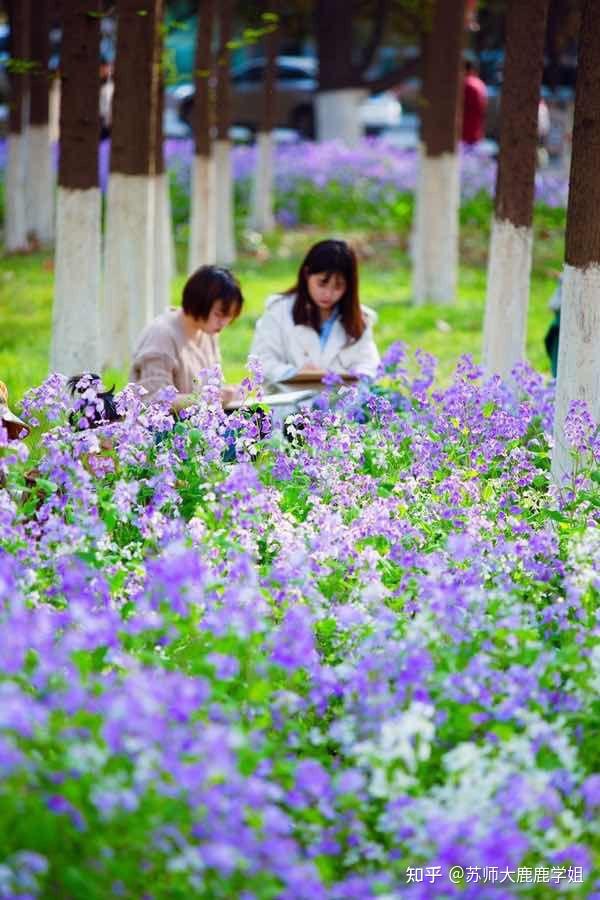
{"x":260,"y":691}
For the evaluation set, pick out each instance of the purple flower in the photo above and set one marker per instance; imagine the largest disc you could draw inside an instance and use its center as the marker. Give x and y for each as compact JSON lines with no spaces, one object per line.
{"x":590,"y":789}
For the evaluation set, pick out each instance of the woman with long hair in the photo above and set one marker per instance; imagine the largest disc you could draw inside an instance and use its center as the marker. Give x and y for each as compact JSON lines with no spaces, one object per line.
{"x":318,"y":325}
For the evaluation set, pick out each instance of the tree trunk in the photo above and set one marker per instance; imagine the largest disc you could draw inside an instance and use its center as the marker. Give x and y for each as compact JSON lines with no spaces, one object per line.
{"x":202,"y":247}
{"x":164,"y":251}
{"x":40,"y":182}
{"x":333,"y":32}
{"x":16,"y":166}
{"x":338,"y":115}
{"x":262,"y":216}
{"x":130,"y":267}
{"x":578,"y":377}
{"x":75,"y":324}
{"x":342,"y":67}
{"x":340,"y":83}
{"x":509,"y":267}
{"x":224,"y":215}
{"x":437,"y":201}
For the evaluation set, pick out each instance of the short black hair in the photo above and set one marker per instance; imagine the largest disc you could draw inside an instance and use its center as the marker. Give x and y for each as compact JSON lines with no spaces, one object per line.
{"x":207,"y":285}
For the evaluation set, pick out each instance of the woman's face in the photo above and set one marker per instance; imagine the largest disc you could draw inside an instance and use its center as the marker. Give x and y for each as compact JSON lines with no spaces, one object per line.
{"x":326,"y":289}
{"x":218,"y":317}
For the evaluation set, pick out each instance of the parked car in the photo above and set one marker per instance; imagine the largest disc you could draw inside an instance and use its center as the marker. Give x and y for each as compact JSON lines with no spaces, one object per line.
{"x":296,"y":84}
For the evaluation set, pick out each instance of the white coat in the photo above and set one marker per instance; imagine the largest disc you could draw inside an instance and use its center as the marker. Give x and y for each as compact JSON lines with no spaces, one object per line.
{"x":284,"y":347}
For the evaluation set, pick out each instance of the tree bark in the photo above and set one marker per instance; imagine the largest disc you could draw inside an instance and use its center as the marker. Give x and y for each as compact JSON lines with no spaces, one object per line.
{"x":202,"y":244}
{"x":40,"y":181}
{"x":262,"y":217}
{"x":378,"y":25}
{"x":333,"y":31}
{"x":225,"y":20}
{"x":19,"y":12}
{"x":583,"y":219}
{"x":523,"y":66}
{"x":80,"y":88}
{"x":340,"y":82}
{"x":224,"y":214}
{"x":578,"y":377}
{"x":436,"y":216}
{"x":269,"y":85}
{"x":75,"y":333}
{"x":442,"y":78}
{"x":131,"y":220}
{"x":509,"y":269}
{"x":137,"y":78}
{"x":203,"y":109}
{"x":164,"y":253}
{"x":40,"y":53}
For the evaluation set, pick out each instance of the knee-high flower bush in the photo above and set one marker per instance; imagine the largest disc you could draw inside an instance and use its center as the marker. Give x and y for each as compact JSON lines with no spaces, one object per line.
{"x":352,"y":660}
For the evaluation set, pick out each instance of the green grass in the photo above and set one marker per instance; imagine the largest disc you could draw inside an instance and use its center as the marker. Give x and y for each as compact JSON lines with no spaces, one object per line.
{"x":26,"y":285}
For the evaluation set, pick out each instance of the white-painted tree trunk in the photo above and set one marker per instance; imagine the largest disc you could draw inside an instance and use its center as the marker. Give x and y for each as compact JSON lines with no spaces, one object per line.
{"x":164,"y":254}
{"x":507,"y":300}
{"x":40,"y":185}
{"x":224,"y":213}
{"x":128,"y":264}
{"x":435,"y":237}
{"x":202,"y":248}
{"x":338,"y":115}
{"x":76,"y":337}
{"x":54,"y":110}
{"x":578,"y":375}
{"x":262,"y":218}
{"x":15,"y":228}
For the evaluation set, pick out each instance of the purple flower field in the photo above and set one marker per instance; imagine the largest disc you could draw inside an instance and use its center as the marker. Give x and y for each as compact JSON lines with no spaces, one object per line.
{"x":369,"y":178}
{"x":373,"y":173}
{"x":360,"y":660}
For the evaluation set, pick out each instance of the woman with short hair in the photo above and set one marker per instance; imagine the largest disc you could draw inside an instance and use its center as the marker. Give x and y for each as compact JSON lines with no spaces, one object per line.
{"x":179,"y":343}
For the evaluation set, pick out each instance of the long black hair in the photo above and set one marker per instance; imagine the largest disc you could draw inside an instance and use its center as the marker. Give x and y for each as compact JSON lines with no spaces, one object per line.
{"x":329,"y":258}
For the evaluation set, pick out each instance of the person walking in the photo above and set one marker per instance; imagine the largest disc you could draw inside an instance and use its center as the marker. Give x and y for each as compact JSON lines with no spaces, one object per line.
{"x":475,"y":100}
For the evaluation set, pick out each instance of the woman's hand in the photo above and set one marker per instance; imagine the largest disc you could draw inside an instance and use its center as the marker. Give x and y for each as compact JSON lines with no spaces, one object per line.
{"x":182,"y":401}
{"x":311,"y":369}
{"x":229,"y":393}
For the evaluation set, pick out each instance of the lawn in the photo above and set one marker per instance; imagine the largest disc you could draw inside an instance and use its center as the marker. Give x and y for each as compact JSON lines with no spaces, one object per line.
{"x":26,"y":286}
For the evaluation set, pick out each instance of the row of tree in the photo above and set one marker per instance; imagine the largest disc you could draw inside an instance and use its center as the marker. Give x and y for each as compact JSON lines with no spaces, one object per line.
{"x":510,"y":254}
{"x":95,"y":328}
{"x":29,"y":186}
{"x":110,"y":281}
{"x":108,"y":286}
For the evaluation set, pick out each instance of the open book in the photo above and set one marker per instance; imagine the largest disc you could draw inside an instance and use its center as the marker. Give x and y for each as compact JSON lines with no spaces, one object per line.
{"x":289,"y":398}
{"x":315,"y":377}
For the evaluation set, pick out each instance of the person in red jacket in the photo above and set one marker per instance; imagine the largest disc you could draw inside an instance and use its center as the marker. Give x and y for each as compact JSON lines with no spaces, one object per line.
{"x":474,"y":106}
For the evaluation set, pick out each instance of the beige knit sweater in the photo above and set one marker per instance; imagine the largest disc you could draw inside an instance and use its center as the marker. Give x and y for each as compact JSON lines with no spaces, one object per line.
{"x":165,"y":355}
